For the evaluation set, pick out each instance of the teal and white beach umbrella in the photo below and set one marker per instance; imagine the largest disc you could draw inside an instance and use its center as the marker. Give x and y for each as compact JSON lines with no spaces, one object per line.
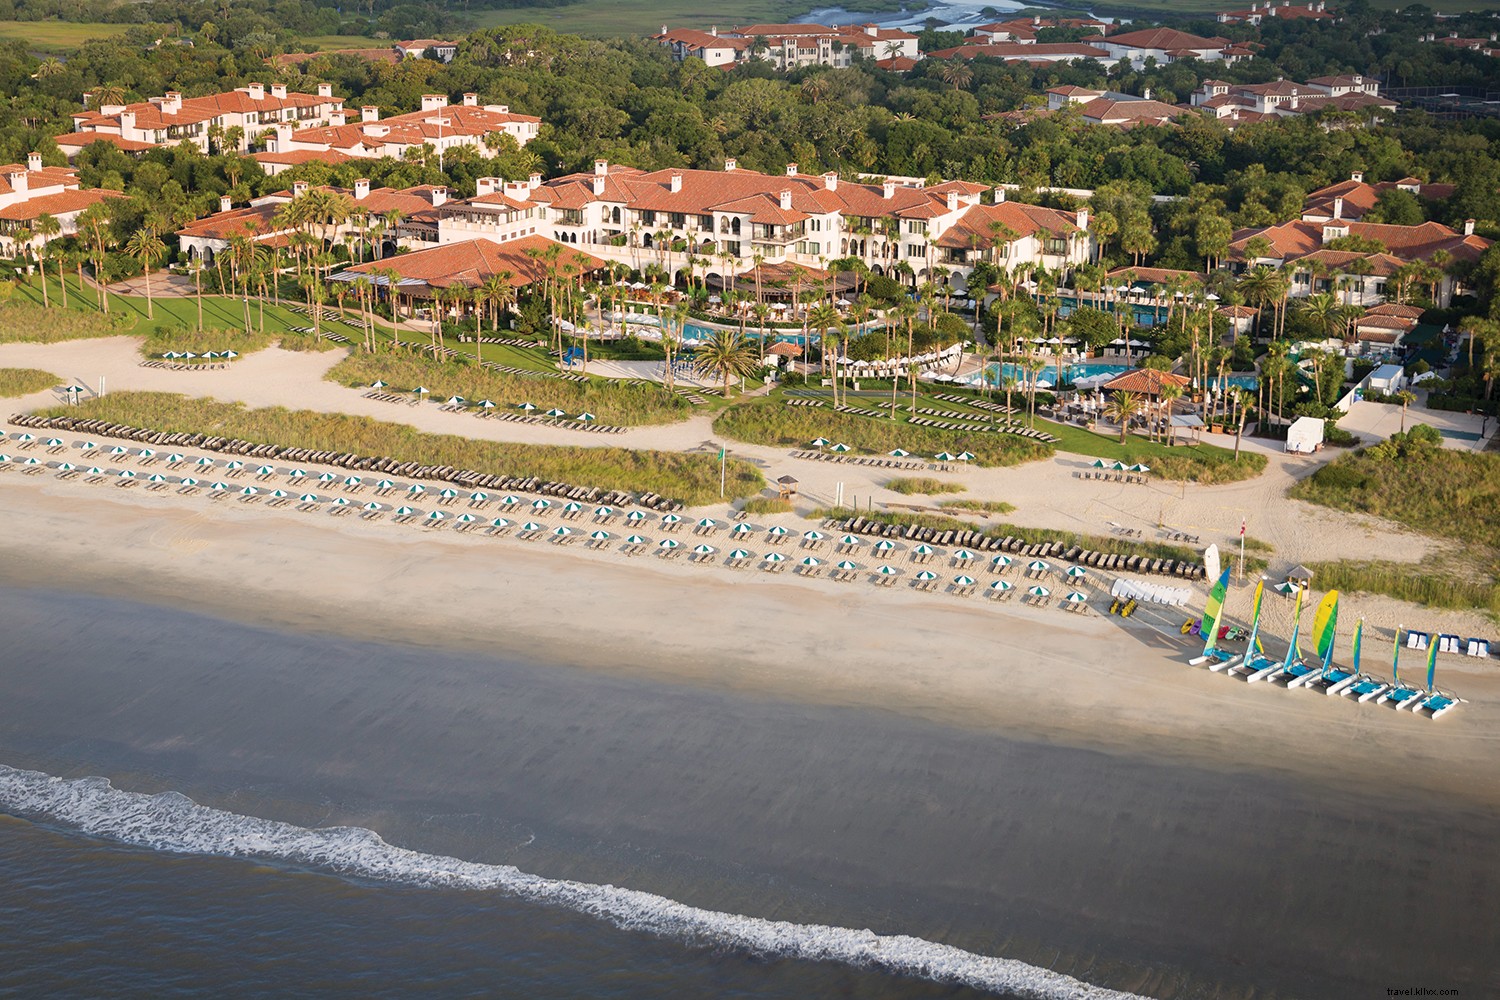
{"x":637,"y":540}
{"x":1039,"y":592}
{"x":124,"y":473}
{"x":416,"y":488}
{"x":377,"y":384}
{"x":400,"y":511}
{"x":249,"y":491}
{"x":1099,"y":463}
{"x":53,"y":442}
{"x":230,"y":355}
{"x":587,"y":417}
{"x":964,"y":581}
{"x":927,"y":574}
{"x":1140,"y":467}
{"x":297,"y":474}
{"x":923,"y":550}
{"x":88,"y":446}
{"x":966,"y":456}
{"x":455,"y":401}
{"x":708,"y":522}
{"x":94,"y":470}
{"x":174,"y":457}
{"x":372,"y":505}
{"x":448,"y":493}
{"x":218,"y":487}
{"x":1037,"y":566}
{"x":531,"y":526}
{"x":943,"y":456}
{"x":812,"y":561}
{"x":467,"y":519}
{"x":561,"y":532}
{"x":435,"y":515}
{"x":62,"y":466}
{"x":884,"y":545}
{"x":478,"y":497}
{"x":156,"y":477}
{"x":572,"y":507}
{"x":421,"y":390}
{"x":500,"y":522}
{"x":143,"y":453}
{"x":775,"y":557}
{"x":327,"y":477}
{"x":1001,"y":586}
{"x":742,"y":529}
{"x":309,"y":498}
{"x":888,"y":571}
{"x":704,"y":550}
{"x":353,"y":481}
{"x":851,"y":540}
{"x":740,"y":554}
{"x":1000,"y":562}
{"x":1076,"y":597}
{"x":485,"y":404}
{"x":204,"y":462}
{"x":635,"y":516}
{"x":604,"y":511}
{"x":554,"y":413}
{"x":1118,"y":466}
{"x":963,"y":555}
{"x":812,"y":536}
{"x":340,"y":502}
{"x":189,"y":481}
{"x":846,"y":565}
{"x":527,"y":407}
{"x":898,"y":453}
{"x":669,"y":543}
{"x":819,"y":442}
{"x":540,"y":504}
{"x":776,"y":531}
{"x":510,"y":501}
{"x":840,"y":448}
{"x":1077,"y":572}
{"x":235,"y":465}
{"x":600,"y":536}
{"x":38,"y":461}
{"x":670,"y":519}
{"x":116,"y":450}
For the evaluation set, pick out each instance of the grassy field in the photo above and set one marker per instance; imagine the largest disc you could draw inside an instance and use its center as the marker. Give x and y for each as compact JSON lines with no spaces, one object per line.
{"x":57,"y":36}
{"x":321,"y":43}
{"x":24,"y":381}
{"x":1419,"y":583}
{"x":598,"y":18}
{"x":694,"y":479}
{"x":128,"y":313}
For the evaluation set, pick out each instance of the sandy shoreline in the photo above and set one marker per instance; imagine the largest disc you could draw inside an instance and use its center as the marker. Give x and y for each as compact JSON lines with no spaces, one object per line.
{"x":1035,"y":673}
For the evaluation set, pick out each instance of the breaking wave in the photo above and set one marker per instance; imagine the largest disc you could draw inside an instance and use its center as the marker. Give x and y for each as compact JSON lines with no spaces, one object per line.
{"x":173,"y":822}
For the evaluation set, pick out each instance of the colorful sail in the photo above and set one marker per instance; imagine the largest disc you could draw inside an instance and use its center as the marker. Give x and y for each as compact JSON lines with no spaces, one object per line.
{"x":1432,"y":648}
{"x":1252,"y":643}
{"x":1213,"y":612}
{"x":1325,"y":625}
{"x":1396,"y":659}
{"x":1359,"y":634}
{"x":1292,"y":654}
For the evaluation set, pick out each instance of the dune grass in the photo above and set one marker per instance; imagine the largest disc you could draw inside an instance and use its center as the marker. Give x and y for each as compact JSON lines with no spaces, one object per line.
{"x":922,"y":485}
{"x":190,"y":340}
{"x":612,"y":402}
{"x":1417,"y":583}
{"x":767,"y":505}
{"x":24,"y":381}
{"x":21,"y":321}
{"x":979,"y":506}
{"x":770,"y":421}
{"x":693,"y":479}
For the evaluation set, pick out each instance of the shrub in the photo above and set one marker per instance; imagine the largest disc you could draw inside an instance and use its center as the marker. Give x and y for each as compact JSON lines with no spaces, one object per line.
{"x":25,"y":381}
{"x":982,"y":506}
{"x":924,"y":485}
{"x":31,"y":323}
{"x":767,"y":505}
{"x":183,"y":339}
{"x":1410,"y":582}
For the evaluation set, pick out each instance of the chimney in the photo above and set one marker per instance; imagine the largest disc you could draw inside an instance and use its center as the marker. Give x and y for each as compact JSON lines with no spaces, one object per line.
{"x":127,"y":121}
{"x":601,"y":168}
{"x":791,"y":170}
{"x":786,"y":201}
{"x":369,"y":113}
{"x":534,"y":181}
{"x":1357,"y":177}
{"x":1338,"y":208}
{"x":999,"y":196}
{"x":730,"y":164}
{"x":33,"y":161}
{"x":872,"y":30}
{"x":325,"y":90}
{"x":224,"y":203}
{"x":1468,"y":227}
{"x":714,"y":31}
{"x":17,"y":181}
{"x":675,"y":181}
{"x":953,"y":201}
{"x":361,"y":189}
{"x":278,"y":91}
{"x":1146,"y":94}
{"x":439,"y":196}
{"x":338,"y":118}
{"x":599,"y":186}
{"x":471,"y":100}
{"x":431,"y":102}
{"x":888,"y":190}
{"x":518,"y":190}
{"x":172,"y":103}
{"x":257,"y":91}
{"x":664,"y":29}
{"x":485,"y":185}
{"x":831,"y":181}
{"x":1081,"y":220}
{"x":299,"y":188}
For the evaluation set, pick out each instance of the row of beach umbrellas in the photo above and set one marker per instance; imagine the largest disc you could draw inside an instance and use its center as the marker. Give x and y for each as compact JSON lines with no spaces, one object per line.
{"x":189,"y":355}
{"x":942,"y":456}
{"x":489,"y":404}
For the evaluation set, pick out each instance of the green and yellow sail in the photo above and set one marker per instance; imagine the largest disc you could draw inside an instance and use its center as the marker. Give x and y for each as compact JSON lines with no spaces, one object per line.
{"x":1213,"y":612}
{"x":1325,"y":624}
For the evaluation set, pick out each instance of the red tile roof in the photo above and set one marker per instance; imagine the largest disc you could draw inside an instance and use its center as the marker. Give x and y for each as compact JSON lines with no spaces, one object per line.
{"x":1146,"y":381}
{"x":80,"y":140}
{"x":472,"y":262}
{"x":62,"y":203}
{"x":1166,"y":38}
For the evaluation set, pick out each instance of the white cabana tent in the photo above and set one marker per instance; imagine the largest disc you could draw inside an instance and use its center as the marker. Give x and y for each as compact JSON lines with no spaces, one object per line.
{"x":1305,"y":435}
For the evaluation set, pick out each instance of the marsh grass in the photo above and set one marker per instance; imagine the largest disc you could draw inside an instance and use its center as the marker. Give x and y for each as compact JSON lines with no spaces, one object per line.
{"x":693,"y":479}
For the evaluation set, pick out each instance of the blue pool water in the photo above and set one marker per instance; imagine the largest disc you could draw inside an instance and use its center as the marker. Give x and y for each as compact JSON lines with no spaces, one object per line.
{"x":699,"y":332}
{"x":1071,"y":373}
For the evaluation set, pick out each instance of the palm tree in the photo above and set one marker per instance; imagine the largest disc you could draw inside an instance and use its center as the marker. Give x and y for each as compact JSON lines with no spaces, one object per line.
{"x":1168,"y":397}
{"x":1122,"y":408}
{"x":1322,"y":311}
{"x":725,"y":356}
{"x":145,"y":246}
{"x":46,"y":226}
{"x":196,"y":267}
{"x":95,"y":222}
{"x":1405,"y":397}
{"x":1490,"y":369}
{"x":1242,"y":401}
{"x":823,"y":317}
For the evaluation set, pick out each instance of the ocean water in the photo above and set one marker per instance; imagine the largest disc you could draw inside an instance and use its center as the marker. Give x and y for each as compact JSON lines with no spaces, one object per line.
{"x":187,"y":802}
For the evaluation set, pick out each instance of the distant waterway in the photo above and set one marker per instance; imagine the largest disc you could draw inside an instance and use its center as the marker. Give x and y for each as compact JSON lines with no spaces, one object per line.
{"x":956,"y":13}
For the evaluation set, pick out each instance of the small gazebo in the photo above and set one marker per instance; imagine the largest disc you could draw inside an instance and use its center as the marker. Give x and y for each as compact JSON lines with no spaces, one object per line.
{"x":1299,"y":577}
{"x":786,"y":487}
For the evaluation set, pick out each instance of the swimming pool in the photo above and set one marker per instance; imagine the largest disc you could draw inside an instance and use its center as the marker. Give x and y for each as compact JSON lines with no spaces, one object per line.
{"x":1071,"y":373}
{"x":1247,"y":382}
{"x":696,"y":331}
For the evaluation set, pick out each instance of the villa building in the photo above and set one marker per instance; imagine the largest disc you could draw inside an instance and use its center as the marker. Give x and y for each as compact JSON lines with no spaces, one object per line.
{"x":1284,"y":11}
{"x":1353,"y":198}
{"x":438,"y":124}
{"x":1167,"y":45}
{"x":1107,"y":107}
{"x":791,"y":46}
{"x":27,"y":192}
{"x":1024,"y":31}
{"x":420,"y":47}
{"x":469,"y":264}
{"x":1281,"y":98}
{"x":1034,"y":53}
{"x":173,"y":119}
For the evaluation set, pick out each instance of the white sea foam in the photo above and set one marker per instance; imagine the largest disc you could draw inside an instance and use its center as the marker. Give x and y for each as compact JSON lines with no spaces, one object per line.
{"x":173,"y":822}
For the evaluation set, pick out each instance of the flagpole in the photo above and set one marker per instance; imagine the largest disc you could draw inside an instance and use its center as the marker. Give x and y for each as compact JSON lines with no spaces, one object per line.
{"x":721,"y":473}
{"x":1242,"y":550}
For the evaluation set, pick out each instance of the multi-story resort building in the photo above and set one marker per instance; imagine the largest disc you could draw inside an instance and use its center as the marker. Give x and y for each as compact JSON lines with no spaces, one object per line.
{"x":173,"y":119}
{"x":790,"y":46}
{"x":1246,"y":102}
{"x":29,"y":191}
{"x":438,"y":124}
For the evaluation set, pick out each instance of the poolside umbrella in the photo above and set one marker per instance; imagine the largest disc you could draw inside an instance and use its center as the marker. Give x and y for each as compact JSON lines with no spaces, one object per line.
{"x":963,"y":555}
{"x":670,"y":519}
{"x":479,"y":497}
{"x":637,"y":540}
{"x":812,"y":561}
{"x":1037,"y":566}
{"x":1000,"y":562}
{"x":353,"y":481}
{"x":53,"y":442}
{"x":561,"y":532}
{"x":124,"y":473}
{"x":846,"y":564}
{"x":600,"y":535}
{"x":153,"y":478}
{"x":888,"y":571}
{"x":455,"y":401}
{"x":776,"y":531}
{"x":669,"y":543}
{"x":884,"y":545}
{"x":235,"y":465}
{"x":485,"y":404}
{"x":500,"y":522}
{"x":404,"y":511}
{"x":1001,"y":586}
{"x":525,"y":406}
{"x":309,"y":498}
{"x":189,"y":481}
{"x":964,"y":581}
{"x":898,"y":453}
{"x":377,"y":384}
{"x":966,"y":456}
{"x":635,"y":516}
{"x":604,"y":511}
{"x":775,"y":557}
{"x":927,"y":574}
{"x":327,"y":477}
{"x":554,"y":413}
{"x":923,"y":550}
{"x":572,"y":506}
{"x":739,"y":554}
{"x":204,"y":462}
{"x":116,"y":450}
{"x":812,"y":536}
{"x":467,"y":518}
{"x":703,"y":550}
{"x":218,"y":487}
{"x":587,"y":417}
{"x":435,"y":515}
{"x":943,"y":456}
{"x":249,"y":491}
{"x":421,"y":390}
{"x":372,"y":505}
{"x":708,"y":522}
{"x":1099,"y":463}
{"x":840,"y":448}
{"x":448,"y":493}
{"x":819,"y":442}
{"x":531,"y":526}
{"x":416,"y":488}
{"x":1076,"y":572}
{"x":1039,"y":592}
{"x":540,"y":504}
{"x":851,"y":540}
{"x":741,"y":529}
{"x":1076,"y":597}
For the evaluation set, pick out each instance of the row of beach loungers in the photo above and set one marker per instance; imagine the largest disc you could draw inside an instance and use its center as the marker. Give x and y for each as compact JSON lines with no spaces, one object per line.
{"x":872,"y":461}
{"x":860,"y":411}
{"x":804,"y":402}
{"x":1108,"y":476}
{"x":507,"y":415}
{"x":978,"y":404}
{"x":328,"y":334}
{"x":185,"y":366}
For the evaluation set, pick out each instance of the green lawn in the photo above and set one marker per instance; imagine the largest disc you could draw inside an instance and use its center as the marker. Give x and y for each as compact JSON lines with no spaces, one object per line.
{"x":58,"y":36}
{"x":168,"y":313}
{"x":599,"y":18}
{"x":320,"y":43}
